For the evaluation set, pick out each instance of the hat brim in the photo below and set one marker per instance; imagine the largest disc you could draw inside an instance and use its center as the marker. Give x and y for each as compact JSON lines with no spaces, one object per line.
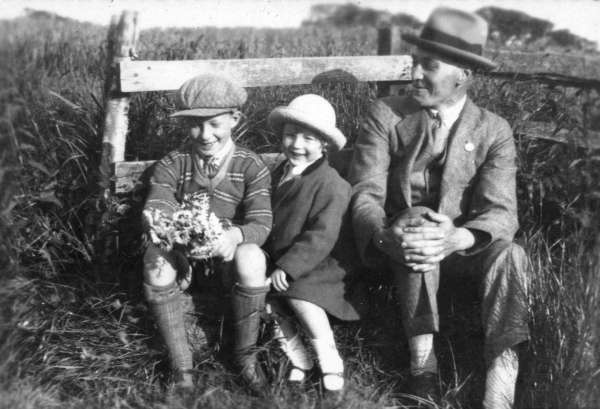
{"x":460,"y":55}
{"x":203,"y":112}
{"x":279,"y":116}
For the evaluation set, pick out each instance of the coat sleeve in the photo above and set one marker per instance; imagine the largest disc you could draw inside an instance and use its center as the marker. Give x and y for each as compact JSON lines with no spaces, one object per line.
{"x":314,"y":244}
{"x":368,"y":176}
{"x":493,"y":208}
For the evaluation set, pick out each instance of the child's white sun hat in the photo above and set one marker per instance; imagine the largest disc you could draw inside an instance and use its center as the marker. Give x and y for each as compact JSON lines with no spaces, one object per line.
{"x":312,"y":111}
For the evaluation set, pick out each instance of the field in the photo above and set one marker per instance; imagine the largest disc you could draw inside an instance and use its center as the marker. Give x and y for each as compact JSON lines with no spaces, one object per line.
{"x":74,"y":330}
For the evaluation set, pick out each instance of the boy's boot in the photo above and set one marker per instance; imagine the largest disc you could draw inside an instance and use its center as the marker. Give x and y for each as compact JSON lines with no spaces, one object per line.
{"x":165,"y":307}
{"x":247,"y":305}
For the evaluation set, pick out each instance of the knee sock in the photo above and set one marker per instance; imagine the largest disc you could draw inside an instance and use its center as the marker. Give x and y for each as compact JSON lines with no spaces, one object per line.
{"x":501,"y":381}
{"x":297,"y":354}
{"x":165,"y":307}
{"x":330,"y":362}
{"x":422,"y":355}
{"x":247,"y":305}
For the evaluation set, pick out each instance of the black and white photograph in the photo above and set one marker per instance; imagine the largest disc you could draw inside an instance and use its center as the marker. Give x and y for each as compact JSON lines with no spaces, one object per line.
{"x":304,"y":204}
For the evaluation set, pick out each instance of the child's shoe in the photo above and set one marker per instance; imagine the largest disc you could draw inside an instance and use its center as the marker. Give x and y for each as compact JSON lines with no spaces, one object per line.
{"x":332,"y":366}
{"x":297,"y":354}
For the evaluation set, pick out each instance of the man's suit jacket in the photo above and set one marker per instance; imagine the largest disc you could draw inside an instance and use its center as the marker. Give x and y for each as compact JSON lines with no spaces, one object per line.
{"x":478,"y":188}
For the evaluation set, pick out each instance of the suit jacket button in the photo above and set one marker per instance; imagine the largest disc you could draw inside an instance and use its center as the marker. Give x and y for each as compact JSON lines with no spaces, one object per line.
{"x":469,"y":147}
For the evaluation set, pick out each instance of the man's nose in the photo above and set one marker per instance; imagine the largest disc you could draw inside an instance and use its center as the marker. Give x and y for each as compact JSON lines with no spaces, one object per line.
{"x":416,"y":72}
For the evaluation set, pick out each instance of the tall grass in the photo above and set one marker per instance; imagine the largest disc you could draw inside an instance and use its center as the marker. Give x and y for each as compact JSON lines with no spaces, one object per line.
{"x":77,"y":335}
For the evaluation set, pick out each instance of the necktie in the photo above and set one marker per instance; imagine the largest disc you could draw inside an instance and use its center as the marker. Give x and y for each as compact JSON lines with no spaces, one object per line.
{"x":210,"y":167}
{"x":440,"y":135}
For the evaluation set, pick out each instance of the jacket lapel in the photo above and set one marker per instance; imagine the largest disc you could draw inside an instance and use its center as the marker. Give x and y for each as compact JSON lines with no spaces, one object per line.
{"x":411,"y":126}
{"x":463,"y":132}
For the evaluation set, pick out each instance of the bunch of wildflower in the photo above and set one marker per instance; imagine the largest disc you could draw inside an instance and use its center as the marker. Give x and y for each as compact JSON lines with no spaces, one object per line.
{"x":193,"y":229}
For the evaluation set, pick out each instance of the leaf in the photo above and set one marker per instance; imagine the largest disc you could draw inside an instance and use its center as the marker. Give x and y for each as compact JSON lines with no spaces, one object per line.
{"x":66,"y":101}
{"x":48,"y":197}
{"x":26,"y":147}
{"x":38,"y":166}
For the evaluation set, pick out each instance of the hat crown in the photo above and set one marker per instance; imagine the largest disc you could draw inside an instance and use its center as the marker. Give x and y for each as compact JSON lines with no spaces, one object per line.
{"x":455,"y":34}
{"x":311,"y":111}
{"x":468,"y":27}
{"x":209,"y":94}
{"x":316,"y":107}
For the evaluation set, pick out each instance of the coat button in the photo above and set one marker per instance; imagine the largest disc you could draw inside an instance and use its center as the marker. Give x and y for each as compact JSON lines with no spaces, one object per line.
{"x":469,"y":147}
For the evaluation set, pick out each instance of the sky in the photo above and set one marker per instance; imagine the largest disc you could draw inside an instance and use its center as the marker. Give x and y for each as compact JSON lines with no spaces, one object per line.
{"x":581,"y":17}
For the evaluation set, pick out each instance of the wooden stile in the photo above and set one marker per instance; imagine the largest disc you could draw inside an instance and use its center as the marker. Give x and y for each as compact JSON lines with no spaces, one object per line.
{"x":387,"y":70}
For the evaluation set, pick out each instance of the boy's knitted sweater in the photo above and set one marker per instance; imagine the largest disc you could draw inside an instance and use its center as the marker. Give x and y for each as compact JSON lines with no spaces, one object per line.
{"x":241,"y":196}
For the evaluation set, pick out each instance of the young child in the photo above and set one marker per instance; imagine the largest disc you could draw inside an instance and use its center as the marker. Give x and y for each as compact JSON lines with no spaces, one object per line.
{"x":238,"y":184}
{"x":309,"y":202}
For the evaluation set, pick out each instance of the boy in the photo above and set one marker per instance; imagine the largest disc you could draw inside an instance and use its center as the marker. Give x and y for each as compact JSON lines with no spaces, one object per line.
{"x":238,"y":185}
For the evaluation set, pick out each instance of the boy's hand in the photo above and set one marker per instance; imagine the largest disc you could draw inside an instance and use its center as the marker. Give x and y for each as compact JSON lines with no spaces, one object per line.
{"x":279,"y":280}
{"x":228,"y":243}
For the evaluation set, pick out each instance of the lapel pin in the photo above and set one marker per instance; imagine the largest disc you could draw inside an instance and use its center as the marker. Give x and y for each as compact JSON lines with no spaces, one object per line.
{"x":469,"y":147}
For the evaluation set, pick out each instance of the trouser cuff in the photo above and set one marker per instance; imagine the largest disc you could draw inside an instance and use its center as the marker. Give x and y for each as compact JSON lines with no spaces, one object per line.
{"x":425,"y":324}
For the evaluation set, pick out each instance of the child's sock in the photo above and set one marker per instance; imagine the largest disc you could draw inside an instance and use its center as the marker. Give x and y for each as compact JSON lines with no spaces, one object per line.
{"x":297,"y":354}
{"x":501,"y":381}
{"x":330,"y":361}
{"x":422,"y":355}
{"x":165,"y":307}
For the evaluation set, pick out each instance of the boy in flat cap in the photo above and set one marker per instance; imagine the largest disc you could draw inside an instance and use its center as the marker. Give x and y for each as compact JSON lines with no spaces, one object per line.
{"x":437,"y":149}
{"x":238,"y":185}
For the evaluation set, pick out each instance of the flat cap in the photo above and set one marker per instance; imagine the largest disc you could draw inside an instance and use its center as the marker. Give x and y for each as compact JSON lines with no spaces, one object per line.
{"x":209,"y":95}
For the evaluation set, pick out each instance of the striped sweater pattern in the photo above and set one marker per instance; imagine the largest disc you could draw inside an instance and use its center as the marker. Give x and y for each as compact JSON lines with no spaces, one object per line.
{"x":242,"y":197}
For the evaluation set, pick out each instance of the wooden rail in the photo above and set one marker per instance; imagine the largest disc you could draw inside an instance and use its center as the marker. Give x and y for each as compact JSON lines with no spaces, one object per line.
{"x":140,"y":76}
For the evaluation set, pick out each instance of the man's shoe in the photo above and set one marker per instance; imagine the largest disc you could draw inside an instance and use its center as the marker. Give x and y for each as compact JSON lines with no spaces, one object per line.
{"x":426,"y":386}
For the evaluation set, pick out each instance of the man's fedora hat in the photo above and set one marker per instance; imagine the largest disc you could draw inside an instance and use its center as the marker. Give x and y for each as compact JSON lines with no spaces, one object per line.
{"x":455,"y":34}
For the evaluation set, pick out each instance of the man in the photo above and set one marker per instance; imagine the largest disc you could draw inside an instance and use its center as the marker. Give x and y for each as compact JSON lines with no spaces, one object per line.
{"x":433,"y":180}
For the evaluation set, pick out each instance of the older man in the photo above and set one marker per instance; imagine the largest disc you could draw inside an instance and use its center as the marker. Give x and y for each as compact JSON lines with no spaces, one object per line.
{"x":434,"y":196}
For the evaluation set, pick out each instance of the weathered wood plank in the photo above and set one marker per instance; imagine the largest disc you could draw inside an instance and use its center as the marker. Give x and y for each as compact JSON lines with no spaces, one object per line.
{"x":131,"y":176}
{"x":139,"y":76}
{"x":122,"y":39}
{"x":587,"y":67}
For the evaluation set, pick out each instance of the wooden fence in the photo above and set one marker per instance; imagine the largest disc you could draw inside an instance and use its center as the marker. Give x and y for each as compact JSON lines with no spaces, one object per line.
{"x":127,"y":76}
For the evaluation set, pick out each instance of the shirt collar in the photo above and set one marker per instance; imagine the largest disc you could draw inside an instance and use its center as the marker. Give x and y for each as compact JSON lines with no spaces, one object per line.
{"x":219,"y":156}
{"x":452,"y":113}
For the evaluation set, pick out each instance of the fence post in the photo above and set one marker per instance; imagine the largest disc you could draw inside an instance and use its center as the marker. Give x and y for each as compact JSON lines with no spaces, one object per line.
{"x":388,"y":43}
{"x":122,"y":39}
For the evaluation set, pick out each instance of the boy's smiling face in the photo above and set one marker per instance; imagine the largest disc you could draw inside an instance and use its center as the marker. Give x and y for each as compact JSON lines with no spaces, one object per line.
{"x":210,"y":134}
{"x":301,"y":145}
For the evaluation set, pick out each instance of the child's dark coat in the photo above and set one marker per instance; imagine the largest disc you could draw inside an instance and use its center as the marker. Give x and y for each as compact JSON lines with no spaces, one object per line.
{"x":308,"y":214}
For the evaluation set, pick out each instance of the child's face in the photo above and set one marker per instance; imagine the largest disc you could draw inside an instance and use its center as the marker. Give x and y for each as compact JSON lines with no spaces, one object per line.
{"x":210,"y":134}
{"x":300,"y":144}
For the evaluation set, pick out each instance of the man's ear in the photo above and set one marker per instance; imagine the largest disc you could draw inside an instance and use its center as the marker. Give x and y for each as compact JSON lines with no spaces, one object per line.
{"x":236,"y":116}
{"x":465,"y":75}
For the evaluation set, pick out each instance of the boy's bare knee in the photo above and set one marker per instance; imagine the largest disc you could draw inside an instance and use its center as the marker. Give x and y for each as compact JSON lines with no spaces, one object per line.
{"x":161,"y":267}
{"x":250,"y":264}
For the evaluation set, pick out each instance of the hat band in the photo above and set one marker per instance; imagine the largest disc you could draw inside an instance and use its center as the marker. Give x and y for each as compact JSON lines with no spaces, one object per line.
{"x":433,"y":35}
